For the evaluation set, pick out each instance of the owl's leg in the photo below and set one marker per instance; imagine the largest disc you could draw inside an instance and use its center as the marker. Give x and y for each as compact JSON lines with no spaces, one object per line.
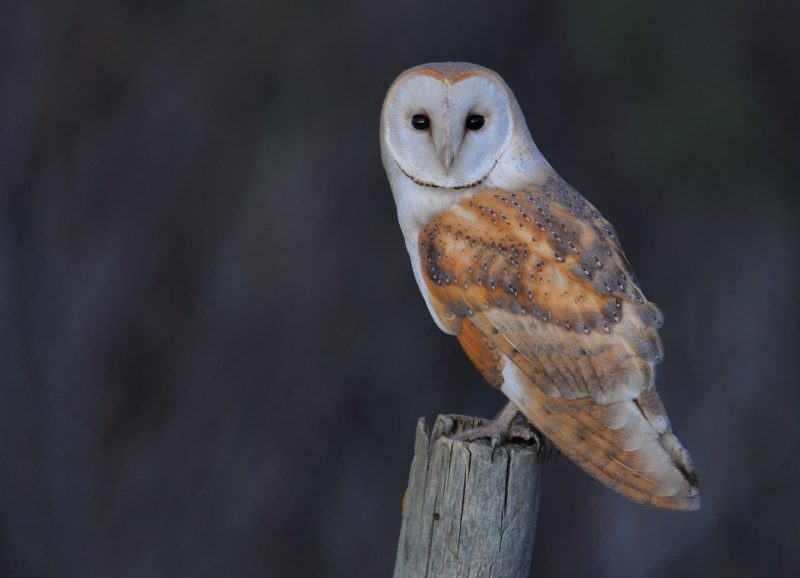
{"x":509,"y":425}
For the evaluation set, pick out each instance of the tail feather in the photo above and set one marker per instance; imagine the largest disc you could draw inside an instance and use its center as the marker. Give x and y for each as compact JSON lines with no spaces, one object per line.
{"x":615,"y":443}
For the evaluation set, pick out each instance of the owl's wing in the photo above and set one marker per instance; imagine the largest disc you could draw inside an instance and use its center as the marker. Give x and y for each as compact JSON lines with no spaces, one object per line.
{"x":544,"y":302}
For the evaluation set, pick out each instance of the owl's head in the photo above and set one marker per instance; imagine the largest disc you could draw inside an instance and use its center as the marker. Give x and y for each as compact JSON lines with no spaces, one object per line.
{"x":447,"y":124}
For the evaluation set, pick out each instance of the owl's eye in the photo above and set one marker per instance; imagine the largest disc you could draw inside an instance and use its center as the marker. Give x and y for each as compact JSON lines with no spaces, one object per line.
{"x":420,"y":121}
{"x":475,"y":122}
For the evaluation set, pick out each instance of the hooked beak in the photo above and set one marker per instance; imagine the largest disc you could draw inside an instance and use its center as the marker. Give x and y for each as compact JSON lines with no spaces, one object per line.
{"x":447,"y":142}
{"x":447,"y":156}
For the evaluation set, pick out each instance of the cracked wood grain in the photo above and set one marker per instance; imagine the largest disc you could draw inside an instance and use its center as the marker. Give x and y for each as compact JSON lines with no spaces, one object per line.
{"x":465,"y":514}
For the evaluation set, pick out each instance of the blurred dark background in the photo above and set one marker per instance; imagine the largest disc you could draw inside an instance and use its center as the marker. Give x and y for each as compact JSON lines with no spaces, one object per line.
{"x":212,"y":350}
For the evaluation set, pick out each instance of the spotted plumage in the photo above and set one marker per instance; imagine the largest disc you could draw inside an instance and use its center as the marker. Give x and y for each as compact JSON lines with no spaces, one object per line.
{"x":531,"y":279}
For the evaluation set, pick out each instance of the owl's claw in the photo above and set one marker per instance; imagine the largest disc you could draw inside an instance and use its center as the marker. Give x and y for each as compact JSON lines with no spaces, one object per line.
{"x":510,"y":425}
{"x":497,"y":441}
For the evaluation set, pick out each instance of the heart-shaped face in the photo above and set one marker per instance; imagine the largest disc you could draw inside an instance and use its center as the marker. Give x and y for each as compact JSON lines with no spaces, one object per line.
{"x":447,"y":130}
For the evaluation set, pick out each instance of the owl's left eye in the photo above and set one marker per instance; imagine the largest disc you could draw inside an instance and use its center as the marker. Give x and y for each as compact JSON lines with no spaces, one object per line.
{"x":475,"y":122}
{"x":420,"y":121}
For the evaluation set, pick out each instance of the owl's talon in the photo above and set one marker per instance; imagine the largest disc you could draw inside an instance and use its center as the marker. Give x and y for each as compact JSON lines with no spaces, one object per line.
{"x":497,"y":441}
{"x":510,"y":425}
{"x":521,"y":429}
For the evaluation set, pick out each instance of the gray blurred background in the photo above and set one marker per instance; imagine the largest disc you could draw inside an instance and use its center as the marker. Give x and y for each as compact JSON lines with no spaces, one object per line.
{"x":212,"y":350}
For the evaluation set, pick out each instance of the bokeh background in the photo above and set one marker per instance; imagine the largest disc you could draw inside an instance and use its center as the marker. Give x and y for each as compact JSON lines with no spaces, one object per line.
{"x":212,"y":350}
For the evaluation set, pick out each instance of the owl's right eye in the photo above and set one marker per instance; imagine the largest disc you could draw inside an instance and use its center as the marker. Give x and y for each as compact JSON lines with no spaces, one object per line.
{"x":420,"y":121}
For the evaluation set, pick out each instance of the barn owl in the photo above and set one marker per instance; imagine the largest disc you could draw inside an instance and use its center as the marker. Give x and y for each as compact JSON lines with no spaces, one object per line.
{"x":531,"y":279}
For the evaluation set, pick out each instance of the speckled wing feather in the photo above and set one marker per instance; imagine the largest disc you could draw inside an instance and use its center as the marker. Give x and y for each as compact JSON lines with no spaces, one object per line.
{"x":545,"y":304}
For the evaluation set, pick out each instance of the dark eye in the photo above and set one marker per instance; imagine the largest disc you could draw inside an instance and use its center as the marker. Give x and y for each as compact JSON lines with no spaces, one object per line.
{"x":420,"y":121}
{"x":475,"y":122}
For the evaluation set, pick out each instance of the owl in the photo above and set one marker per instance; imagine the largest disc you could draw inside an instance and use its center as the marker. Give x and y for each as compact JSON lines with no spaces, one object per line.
{"x":531,"y":280}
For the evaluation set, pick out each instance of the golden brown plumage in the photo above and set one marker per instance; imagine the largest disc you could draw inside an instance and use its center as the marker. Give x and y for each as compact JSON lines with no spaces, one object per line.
{"x":537,"y":279}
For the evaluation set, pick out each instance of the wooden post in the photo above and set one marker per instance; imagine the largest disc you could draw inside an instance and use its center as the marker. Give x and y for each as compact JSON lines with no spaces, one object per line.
{"x":465,"y":514}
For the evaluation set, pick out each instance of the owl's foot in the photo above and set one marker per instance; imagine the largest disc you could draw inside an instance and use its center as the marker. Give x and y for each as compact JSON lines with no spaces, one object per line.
{"x":510,"y":425}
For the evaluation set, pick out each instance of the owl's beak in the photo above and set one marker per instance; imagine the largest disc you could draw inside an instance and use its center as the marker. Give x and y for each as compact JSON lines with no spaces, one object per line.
{"x":447,"y":155}
{"x":447,"y":142}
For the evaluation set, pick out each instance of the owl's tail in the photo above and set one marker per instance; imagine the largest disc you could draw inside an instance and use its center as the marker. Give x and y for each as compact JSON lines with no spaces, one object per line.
{"x":616,"y":443}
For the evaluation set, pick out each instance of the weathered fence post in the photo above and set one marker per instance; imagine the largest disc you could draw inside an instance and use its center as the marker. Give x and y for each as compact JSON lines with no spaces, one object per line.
{"x":465,"y":514}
